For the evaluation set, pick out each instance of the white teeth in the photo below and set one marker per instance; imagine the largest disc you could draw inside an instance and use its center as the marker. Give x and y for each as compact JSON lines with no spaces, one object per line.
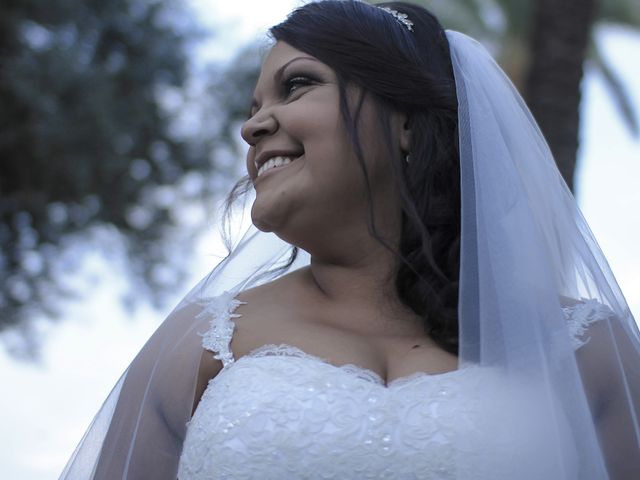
{"x":275,"y":162}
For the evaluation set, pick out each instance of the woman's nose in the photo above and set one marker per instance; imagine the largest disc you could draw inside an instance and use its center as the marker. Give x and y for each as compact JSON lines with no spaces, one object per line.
{"x":258,"y":126}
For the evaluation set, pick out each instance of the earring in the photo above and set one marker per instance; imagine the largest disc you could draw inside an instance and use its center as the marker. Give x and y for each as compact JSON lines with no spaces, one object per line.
{"x":407,"y":158}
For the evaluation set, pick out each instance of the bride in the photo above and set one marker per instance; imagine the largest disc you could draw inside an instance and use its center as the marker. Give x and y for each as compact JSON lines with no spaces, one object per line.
{"x":419,"y":296}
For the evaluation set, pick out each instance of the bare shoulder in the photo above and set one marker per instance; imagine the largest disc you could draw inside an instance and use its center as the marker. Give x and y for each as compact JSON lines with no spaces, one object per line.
{"x":271,"y":311}
{"x":265,"y":311}
{"x":284,"y":289}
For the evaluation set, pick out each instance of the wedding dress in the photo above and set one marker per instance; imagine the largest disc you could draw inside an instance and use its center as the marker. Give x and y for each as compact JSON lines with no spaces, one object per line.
{"x":280,"y":413}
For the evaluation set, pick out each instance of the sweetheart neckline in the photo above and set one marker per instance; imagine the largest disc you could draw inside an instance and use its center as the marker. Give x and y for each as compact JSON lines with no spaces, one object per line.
{"x":363,"y":373}
{"x":231,"y":302}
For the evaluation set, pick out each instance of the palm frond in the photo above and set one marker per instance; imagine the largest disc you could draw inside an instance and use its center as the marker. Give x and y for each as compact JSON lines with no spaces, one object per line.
{"x":621,"y":12}
{"x":463,"y":15}
{"x":616,"y":88}
{"x":518,"y":14}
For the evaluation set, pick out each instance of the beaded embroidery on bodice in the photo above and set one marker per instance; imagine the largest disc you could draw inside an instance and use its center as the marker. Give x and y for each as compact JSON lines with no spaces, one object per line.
{"x":281,"y":413}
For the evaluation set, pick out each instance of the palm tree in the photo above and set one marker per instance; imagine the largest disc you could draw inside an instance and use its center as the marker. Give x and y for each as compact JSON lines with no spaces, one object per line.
{"x":559,"y":40}
{"x":543,"y":46}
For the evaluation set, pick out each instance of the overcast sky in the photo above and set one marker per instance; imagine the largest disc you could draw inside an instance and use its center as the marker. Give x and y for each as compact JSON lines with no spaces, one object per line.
{"x":45,"y":407}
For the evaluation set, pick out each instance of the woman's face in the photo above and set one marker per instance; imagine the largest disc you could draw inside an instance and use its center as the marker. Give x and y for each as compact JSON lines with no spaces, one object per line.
{"x":295,"y":119}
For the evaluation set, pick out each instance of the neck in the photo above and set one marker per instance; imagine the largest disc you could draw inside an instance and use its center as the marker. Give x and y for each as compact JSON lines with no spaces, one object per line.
{"x":356,"y":276}
{"x":349,"y":265}
{"x":358,"y":286}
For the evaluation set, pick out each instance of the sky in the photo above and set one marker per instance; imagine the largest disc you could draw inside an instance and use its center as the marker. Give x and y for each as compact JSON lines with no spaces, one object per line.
{"x":46,"y":406}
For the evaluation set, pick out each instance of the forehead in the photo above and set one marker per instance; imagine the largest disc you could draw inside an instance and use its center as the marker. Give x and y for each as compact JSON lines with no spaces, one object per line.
{"x":280,"y":54}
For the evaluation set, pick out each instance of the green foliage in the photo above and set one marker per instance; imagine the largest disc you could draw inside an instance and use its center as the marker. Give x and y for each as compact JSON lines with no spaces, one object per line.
{"x":505,"y":26}
{"x":84,"y":140}
{"x":232,"y":90}
{"x":621,"y":12}
{"x":616,"y":88}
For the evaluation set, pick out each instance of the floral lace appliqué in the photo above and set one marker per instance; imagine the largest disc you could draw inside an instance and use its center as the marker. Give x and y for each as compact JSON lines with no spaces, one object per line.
{"x":581,"y":315}
{"x":220,"y":310}
{"x":290,"y":351}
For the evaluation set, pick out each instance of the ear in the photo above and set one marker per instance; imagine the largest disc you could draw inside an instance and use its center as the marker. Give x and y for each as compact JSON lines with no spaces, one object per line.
{"x":403,"y":132}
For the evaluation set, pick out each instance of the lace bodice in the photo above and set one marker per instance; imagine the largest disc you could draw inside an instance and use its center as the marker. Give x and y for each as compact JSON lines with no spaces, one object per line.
{"x":280,"y":413}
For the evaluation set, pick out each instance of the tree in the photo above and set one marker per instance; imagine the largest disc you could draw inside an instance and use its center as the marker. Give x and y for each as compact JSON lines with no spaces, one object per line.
{"x":86,"y":143}
{"x":559,"y":41}
{"x":543,"y":46}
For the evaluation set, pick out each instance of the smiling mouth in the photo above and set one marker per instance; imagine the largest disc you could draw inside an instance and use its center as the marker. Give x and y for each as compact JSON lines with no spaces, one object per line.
{"x":276,"y":163}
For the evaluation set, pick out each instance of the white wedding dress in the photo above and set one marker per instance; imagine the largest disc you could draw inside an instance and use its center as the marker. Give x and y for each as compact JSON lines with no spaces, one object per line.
{"x":280,"y":413}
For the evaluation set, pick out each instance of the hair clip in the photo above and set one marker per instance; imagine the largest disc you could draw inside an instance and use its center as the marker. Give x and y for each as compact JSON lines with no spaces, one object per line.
{"x":402,"y":18}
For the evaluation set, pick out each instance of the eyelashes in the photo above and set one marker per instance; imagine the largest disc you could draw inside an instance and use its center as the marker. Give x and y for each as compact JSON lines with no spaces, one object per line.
{"x":288,"y":86}
{"x":295,"y":80}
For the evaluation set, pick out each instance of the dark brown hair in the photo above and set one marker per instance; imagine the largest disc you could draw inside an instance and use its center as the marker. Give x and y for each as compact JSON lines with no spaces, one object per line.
{"x":411,"y":72}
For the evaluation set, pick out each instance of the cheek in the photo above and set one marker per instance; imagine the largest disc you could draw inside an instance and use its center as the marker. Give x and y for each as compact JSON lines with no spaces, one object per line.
{"x":249,"y":162}
{"x":327,"y":147}
{"x":315,"y":117}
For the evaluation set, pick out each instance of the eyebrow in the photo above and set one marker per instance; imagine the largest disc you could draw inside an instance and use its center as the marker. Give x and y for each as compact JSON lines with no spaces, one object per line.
{"x":277,"y":76}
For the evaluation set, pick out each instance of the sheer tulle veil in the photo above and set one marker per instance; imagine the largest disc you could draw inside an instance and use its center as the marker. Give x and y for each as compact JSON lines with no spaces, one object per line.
{"x":526,"y":253}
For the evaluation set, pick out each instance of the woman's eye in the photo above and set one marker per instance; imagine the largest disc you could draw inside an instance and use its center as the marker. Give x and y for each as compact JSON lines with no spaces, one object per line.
{"x":293,"y":83}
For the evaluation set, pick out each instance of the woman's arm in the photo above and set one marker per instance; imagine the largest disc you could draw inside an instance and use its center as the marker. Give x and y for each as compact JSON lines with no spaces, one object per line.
{"x":610,"y":368}
{"x":145,"y":436}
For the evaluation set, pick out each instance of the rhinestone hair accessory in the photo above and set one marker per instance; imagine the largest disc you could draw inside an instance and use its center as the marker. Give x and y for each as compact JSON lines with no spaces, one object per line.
{"x":402,"y":18}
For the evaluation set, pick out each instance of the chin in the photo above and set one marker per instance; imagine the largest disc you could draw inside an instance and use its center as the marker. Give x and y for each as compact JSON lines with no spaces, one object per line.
{"x":269,"y":227}
{"x":268,"y":217}
{"x":278,"y":222}
{"x":263,"y":226}
{"x":261,"y":223}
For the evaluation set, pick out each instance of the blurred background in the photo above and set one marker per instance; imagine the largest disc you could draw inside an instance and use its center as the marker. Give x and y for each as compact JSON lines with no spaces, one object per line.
{"x":119,"y":136}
